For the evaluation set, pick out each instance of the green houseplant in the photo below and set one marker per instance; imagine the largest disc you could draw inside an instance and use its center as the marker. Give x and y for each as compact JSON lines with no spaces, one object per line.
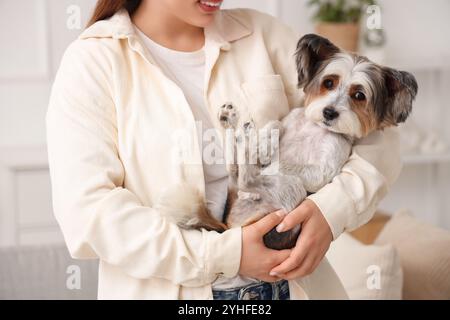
{"x":339,"y":20}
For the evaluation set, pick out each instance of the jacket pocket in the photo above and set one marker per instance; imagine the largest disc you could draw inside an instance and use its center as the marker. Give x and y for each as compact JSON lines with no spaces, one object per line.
{"x":265,"y":98}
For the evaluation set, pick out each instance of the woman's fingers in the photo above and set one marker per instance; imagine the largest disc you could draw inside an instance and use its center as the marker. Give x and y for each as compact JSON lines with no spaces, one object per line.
{"x":276,"y":257}
{"x":293,"y":261}
{"x":306,"y":267}
{"x":256,"y":259}
{"x":267,"y":223}
{"x":280,"y":255}
{"x":295,"y":217}
{"x":313,"y":243}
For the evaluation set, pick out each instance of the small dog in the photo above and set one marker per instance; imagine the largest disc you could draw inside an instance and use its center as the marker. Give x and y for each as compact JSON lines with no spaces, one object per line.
{"x":346,"y":98}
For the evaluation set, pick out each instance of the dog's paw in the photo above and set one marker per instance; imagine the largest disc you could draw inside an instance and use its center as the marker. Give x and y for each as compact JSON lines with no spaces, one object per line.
{"x":249,"y":128}
{"x":243,"y":134}
{"x":228,"y":116}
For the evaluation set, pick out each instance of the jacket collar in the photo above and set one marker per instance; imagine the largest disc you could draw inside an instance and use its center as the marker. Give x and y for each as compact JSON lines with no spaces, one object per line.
{"x":224,"y":29}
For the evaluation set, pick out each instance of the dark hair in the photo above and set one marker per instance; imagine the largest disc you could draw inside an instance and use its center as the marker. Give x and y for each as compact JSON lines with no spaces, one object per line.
{"x":107,"y":8}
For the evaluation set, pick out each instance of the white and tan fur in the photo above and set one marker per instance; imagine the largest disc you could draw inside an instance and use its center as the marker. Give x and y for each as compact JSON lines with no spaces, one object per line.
{"x":347,"y":97}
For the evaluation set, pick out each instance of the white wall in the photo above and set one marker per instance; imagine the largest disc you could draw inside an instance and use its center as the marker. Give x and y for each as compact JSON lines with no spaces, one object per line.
{"x":36,"y":34}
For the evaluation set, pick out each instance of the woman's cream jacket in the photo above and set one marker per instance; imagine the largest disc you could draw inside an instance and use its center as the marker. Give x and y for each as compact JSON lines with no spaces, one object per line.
{"x":116,"y":125}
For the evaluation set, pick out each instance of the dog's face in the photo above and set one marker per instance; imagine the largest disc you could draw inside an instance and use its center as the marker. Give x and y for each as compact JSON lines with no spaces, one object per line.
{"x":349,"y":94}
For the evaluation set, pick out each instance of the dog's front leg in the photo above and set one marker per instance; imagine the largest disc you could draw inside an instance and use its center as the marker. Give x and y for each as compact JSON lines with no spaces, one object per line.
{"x":269,"y":142}
{"x":228,"y":118}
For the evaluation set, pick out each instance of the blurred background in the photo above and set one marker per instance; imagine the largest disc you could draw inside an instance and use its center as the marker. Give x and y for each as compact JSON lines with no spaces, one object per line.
{"x":409,"y":34}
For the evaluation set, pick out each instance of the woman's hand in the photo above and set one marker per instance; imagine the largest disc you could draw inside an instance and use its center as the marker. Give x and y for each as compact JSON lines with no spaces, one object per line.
{"x":312,"y":244}
{"x":257,"y":260}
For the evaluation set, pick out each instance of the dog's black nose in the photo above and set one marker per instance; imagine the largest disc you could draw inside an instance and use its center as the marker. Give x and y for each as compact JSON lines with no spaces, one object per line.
{"x":329,"y":113}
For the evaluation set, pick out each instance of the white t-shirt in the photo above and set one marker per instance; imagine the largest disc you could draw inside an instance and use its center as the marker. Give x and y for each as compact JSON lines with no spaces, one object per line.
{"x":187,"y":70}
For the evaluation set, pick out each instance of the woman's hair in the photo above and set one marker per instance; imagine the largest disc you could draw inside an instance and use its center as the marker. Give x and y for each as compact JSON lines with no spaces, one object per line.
{"x":107,"y":8}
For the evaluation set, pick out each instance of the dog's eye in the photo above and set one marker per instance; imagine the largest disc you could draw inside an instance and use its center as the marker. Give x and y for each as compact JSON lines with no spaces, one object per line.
{"x":328,"y":84}
{"x":358,"y":95}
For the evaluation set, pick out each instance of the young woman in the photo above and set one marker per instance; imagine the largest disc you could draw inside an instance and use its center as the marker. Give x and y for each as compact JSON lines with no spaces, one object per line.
{"x":142,"y":75}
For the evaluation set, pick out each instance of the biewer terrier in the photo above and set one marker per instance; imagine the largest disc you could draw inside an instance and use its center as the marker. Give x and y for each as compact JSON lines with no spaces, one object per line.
{"x":346,"y":98}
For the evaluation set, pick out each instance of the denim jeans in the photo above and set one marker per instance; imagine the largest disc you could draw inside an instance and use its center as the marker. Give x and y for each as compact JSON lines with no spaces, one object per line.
{"x":255,"y":291}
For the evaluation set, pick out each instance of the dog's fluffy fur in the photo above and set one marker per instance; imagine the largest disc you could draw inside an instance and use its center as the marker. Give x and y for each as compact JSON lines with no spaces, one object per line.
{"x":346,"y":97}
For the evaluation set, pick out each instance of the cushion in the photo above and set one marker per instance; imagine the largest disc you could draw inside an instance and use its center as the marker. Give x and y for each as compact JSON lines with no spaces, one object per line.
{"x":424,"y":252}
{"x":370,"y":272}
{"x":368,"y":232}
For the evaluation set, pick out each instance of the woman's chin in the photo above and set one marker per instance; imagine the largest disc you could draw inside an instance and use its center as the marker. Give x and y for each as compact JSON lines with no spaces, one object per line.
{"x":203,"y":21}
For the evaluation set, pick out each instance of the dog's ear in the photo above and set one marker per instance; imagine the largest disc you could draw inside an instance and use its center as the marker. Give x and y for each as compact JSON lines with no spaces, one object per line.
{"x":401,"y":91}
{"x":311,"y":50}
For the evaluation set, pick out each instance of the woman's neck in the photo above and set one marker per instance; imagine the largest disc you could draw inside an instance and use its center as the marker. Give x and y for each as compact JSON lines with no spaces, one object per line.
{"x":166,"y":29}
